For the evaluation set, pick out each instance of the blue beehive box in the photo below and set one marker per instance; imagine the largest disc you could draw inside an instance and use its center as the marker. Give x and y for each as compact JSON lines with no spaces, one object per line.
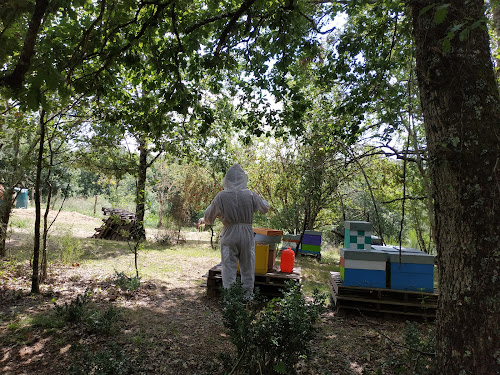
{"x":357,"y":235}
{"x":363,"y":268}
{"x":412,"y":270}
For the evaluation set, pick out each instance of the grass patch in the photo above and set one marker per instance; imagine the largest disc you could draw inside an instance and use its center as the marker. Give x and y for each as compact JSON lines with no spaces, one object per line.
{"x":21,"y":223}
{"x":316,"y":274}
{"x":48,"y":320}
{"x":85,"y":206}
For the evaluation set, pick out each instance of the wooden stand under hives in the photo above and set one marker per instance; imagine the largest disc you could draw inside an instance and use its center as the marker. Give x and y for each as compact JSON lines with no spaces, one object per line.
{"x":378,"y":300}
{"x":270,"y":284}
{"x":120,"y":225}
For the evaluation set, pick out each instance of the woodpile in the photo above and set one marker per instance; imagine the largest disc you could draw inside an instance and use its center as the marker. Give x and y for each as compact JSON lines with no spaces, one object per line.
{"x":120,"y":225}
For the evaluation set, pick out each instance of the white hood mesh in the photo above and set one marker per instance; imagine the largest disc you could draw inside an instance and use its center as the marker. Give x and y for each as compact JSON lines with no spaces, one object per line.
{"x":235,"y":179}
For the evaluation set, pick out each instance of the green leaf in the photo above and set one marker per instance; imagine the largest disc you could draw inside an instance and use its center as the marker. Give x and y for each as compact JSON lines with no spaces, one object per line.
{"x":280,"y":368}
{"x":441,"y":14}
{"x":463,"y":34}
{"x":426,"y":9}
{"x":33,"y":98}
{"x":446,"y":45}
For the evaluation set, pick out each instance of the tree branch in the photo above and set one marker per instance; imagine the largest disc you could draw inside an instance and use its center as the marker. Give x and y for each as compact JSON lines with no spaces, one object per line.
{"x":83,"y":43}
{"x":16,"y":78}
{"x":237,"y":14}
{"x":406,"y":197}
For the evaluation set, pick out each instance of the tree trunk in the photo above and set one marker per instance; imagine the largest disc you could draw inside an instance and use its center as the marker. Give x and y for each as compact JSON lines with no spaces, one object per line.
{"x":45,"y":234}
{"x":141,"y":190}
{"x":5,"y":212}
{"x":495,"y":6}
{"x":461,"y":107}
{"x":35,"y":282}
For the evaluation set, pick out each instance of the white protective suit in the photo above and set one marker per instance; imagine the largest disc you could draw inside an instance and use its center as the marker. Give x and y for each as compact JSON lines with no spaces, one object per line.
{"x":235,"y":206}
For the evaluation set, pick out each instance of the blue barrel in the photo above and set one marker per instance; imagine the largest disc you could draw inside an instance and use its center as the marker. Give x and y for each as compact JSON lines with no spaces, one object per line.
{"x":22,"y":199}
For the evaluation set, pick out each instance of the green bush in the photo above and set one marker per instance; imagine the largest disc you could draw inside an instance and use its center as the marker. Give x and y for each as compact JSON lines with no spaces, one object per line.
{"x":93,"y":319}
{"x":76,"y":310}
{"x":274,"y":339}
{"x":126,"y":282}
{"x":102,"y":322}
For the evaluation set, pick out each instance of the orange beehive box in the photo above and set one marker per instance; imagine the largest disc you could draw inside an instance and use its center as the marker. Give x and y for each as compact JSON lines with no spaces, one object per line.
{"x":268,"y":231}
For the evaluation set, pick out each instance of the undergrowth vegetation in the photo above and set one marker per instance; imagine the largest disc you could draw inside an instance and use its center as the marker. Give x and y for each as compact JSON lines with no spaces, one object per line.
{"x":80,"y":311}
{"x":272,"y":339}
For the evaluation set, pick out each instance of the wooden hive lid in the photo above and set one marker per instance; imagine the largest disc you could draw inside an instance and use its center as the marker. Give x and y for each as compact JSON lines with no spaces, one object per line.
{"x":268,"y":231}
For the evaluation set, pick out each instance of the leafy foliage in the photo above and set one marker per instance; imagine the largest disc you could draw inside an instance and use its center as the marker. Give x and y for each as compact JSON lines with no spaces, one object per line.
{"x":78,"y":311}
{"x":126,"y":282}
{"x":274,"y":339}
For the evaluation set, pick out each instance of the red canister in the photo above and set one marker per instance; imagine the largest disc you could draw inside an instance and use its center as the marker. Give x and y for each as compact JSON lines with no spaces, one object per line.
{"x":287,"y":260}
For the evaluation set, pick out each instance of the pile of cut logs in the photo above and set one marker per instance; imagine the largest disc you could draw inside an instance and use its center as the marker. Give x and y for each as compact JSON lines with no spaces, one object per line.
{"x":120,"y":225}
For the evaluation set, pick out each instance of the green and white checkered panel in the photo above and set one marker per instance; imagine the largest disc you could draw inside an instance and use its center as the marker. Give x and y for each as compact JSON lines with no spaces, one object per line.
{"x":361,"y":240}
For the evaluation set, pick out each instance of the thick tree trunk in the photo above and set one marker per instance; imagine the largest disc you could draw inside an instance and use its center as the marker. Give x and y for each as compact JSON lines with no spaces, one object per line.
{"x":461,"y":107}
{"x":141,"y":189}
{"x":35,"y":281}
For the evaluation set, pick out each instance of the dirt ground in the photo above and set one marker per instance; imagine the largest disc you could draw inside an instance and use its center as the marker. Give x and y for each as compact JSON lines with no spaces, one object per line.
{"x":166,"y":326}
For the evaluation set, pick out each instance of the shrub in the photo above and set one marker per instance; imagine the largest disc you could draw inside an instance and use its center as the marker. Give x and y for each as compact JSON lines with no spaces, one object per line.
{"x":274,"y":339}
{"x":71,"y":248}
{"x":79,"y":311}
{"x":75,"y":311}
{"x":126,"y":282}
{"x":102,"y":322}
{"x":169,"y":237}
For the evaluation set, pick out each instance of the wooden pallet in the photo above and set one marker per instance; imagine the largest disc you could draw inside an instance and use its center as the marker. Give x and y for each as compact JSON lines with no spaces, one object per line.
{"x":390,"y":301}
{"x":270,"y":284}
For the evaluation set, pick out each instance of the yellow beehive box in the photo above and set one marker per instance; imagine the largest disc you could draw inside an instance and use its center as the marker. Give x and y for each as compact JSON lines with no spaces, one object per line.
{"x":261,"y":257}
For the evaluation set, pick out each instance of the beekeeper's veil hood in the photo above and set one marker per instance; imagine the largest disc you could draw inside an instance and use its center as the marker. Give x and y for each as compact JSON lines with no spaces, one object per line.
{"x":235,"y":179}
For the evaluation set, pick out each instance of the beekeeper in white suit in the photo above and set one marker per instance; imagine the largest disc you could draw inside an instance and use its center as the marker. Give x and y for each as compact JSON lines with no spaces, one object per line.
{"x":235,"y":206}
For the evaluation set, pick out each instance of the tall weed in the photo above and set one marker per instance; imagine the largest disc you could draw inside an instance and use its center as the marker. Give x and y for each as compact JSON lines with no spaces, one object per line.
{"x":70,"y":248}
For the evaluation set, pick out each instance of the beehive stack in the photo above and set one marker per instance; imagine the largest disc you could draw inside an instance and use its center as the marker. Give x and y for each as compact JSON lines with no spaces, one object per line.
{"x":411,"y":270}
{"x":311,"y":243}
{"x":271,"y":237}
